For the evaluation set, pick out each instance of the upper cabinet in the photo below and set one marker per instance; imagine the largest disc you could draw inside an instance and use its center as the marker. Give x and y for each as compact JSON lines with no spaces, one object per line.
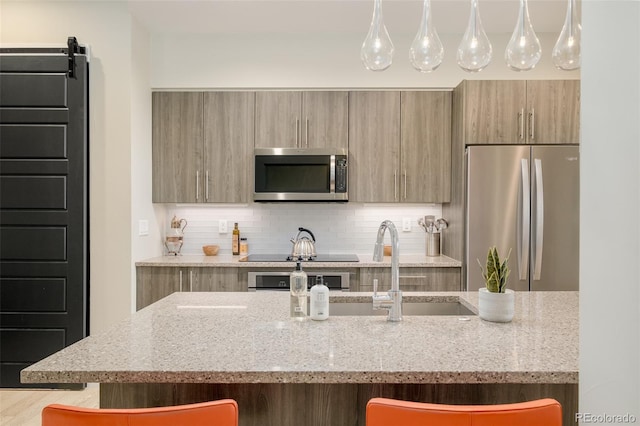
{"x":518,"y":111}
{"x":228,"y":146}
{"x":400,"y":146}
{"x":202,"y":146}
{"x":425,"y":147}
{"x":177,"y":149}
{"x":302,"y":119}
{"x":374,"y":146}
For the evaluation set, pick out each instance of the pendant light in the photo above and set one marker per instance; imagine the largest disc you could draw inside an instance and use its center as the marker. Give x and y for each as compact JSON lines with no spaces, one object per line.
{"x":523,"y":51}
{"x":377,"y":49}
{"x":474,"y":51}
{"x":426,"y":51}
{"x":566,"y":52}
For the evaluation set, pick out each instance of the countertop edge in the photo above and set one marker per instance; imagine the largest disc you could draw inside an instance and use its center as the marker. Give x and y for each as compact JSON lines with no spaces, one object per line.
{"x":431,"y":377}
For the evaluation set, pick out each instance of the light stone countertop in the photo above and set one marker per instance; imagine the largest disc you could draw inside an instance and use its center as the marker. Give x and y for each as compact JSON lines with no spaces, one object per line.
{"x":366,"y":261}
{"x":249,"y":338}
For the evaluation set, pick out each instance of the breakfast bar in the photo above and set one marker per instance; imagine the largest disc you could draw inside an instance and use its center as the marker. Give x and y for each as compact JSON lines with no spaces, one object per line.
{"x":192,"y":347}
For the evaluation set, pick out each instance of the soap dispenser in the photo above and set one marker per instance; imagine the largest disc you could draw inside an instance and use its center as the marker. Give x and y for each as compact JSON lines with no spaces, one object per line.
{"x":298,"y":289}
{"x":319,"y":300}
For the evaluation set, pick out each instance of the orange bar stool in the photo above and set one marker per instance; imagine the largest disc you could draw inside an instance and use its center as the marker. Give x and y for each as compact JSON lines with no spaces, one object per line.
{"x":214,"y":413}
{"x":389,"y":412}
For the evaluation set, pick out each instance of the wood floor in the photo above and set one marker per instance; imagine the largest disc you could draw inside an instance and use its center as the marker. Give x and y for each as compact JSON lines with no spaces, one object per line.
{"x":22,"y":407}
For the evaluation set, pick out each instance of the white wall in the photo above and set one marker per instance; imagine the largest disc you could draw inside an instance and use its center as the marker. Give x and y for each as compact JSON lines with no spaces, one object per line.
{"x":610,"y":190}
{"x":316,"y":61}
{"x":106,"y":27}
{"x":142,"y":246}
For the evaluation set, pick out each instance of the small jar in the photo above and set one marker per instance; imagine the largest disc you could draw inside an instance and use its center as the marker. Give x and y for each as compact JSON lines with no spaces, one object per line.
{"x":244,"y":246}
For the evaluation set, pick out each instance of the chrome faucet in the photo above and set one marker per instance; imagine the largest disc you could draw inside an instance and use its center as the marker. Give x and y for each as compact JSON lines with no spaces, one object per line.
{"x":392,"y":301}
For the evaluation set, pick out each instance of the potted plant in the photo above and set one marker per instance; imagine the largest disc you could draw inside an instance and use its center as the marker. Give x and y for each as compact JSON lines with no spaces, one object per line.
{"x":495,"y":302}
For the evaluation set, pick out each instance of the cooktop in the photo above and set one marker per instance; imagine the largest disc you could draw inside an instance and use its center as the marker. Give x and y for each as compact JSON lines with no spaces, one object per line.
{"x":287,"y":258}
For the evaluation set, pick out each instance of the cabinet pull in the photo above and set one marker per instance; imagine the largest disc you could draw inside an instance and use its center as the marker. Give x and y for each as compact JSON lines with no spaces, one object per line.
{"x":395,"y":186}
{"x":532,"y":123}
{"x":181,"y":280}
{"x":405,"y":184}
{"x":191,"y":280}
{"x":306,"y":131}
{"x":521,"y":123}
{"x":197,"y":183}
{"x":297,"y":133}
{"x":413,"y":277}
{"x":206,"y":185}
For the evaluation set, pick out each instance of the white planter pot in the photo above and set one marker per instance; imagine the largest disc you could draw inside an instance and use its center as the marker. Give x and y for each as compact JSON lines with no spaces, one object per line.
{"x":496,"y":307}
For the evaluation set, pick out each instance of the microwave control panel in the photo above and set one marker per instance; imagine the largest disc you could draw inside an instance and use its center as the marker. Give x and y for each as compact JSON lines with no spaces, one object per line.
{"x":341,"y":173}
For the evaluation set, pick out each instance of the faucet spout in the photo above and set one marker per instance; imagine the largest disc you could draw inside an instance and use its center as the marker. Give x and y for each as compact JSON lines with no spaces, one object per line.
{"x":393,"y":300}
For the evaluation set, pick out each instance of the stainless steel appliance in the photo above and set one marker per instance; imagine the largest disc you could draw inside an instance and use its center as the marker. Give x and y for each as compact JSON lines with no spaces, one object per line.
{"x":524,"y":199}
{"x":258,"y":281}
{"x":298,"y":174}
{"x":303,"y":247}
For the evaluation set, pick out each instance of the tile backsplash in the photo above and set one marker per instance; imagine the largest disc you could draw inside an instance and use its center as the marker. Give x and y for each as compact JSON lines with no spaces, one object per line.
{"x":338,"y":228}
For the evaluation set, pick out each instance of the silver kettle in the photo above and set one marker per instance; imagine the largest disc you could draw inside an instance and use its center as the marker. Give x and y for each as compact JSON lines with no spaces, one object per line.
{"x":303,"y":247}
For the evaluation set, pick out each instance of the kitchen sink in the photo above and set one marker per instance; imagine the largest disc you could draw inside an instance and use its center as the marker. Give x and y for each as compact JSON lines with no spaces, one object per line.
{"x":408,"y":308}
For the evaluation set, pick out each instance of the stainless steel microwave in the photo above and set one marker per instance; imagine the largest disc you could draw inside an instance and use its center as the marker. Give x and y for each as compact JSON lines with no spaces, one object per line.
{"x":300,"y":174}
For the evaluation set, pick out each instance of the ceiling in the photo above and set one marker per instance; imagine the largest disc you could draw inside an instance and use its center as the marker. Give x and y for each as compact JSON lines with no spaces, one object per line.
{"x":335,"y":16}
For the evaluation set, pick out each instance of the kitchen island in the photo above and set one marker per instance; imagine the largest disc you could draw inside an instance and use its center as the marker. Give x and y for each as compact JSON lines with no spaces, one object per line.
{"x":200,"y":346}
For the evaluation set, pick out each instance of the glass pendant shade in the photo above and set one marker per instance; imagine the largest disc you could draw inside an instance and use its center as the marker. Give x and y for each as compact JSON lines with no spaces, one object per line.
{"x":426,"y":51}
{"x":523,"y":51}
{"x":377,"y":50}
{"x":566,"y":52}
{"x":474,"y":51}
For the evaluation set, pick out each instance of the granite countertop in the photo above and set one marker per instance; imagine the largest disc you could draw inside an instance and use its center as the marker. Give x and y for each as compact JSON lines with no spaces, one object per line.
{"x":366,"y":261}
{"x":249,"y":338}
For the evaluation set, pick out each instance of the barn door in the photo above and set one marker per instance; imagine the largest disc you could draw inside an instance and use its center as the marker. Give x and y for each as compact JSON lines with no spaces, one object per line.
{"x":43,"y":207}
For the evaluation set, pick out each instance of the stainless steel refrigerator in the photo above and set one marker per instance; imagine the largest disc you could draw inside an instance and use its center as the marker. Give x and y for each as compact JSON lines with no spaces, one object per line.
{"x":524,"y":199}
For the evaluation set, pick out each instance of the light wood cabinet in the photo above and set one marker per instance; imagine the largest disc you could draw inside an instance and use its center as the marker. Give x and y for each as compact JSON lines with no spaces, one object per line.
{"x":520,"y":111}
{"x":374,"y":146}
{"x":425,"y":147}
{"x":400,"y":146}
{"x":202,"y":146}
{"x":411,"y":279}
{"x":228,"y":146}
{"x":177,"y":146}
{"x":311,"y":119}
{"x":154,"y":283}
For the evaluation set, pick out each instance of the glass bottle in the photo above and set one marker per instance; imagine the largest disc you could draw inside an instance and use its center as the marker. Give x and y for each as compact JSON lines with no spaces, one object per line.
{"x":566,"y":52}
{"x":426,"y":51}
{"x":474,"y":51}
{"x":377,"y":49}
{"x":298,"y":293}
{"x":523,"y":51}
{"x":235,"y":240}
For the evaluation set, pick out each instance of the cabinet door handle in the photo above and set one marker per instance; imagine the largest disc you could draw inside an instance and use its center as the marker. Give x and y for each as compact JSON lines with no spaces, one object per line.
{"x":297,"y":133}
{"x":521,"y":123}
{"x":306,"y":131}
{"x":532,"y":123}
{"x":191,"y":280}
{"x":180,"y":280}
{"x":413,"y":277}
{"x":395,"y":186}
{"x":206,"y":185}
{"x":197,"y":183}
{"x":405,"y":184}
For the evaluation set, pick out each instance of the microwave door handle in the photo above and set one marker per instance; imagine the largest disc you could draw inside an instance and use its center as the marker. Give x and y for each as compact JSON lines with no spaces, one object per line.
{"x":332,"y":175}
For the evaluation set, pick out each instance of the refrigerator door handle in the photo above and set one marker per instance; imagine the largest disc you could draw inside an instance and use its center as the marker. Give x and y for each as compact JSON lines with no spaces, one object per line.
{"x":523,"y":232}
{"x":537,"y":267}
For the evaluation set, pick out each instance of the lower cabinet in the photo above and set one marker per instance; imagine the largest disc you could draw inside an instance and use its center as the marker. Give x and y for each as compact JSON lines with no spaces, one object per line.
{"x":155,"y":282}
{"x":411,"y":279}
